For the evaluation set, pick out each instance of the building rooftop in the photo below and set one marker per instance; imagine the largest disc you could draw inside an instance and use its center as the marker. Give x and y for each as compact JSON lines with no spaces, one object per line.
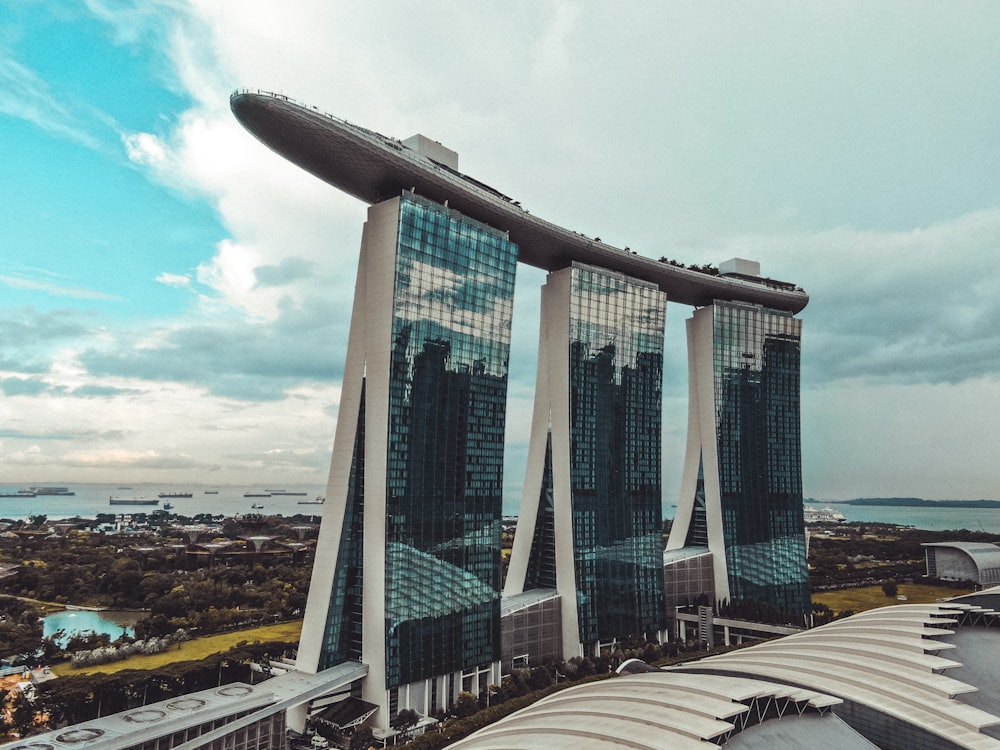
{"x":238,"y":703}
{"x":885,"y":660}
{"x":983,"y":554}
{"x":516,"y":602}
{"x":373,"y":167}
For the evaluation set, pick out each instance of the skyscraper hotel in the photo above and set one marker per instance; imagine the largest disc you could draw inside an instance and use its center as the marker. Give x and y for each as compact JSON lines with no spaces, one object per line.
{"x":589,"y":530}
{"x":407,"y":572}
{"x":741,"y":490}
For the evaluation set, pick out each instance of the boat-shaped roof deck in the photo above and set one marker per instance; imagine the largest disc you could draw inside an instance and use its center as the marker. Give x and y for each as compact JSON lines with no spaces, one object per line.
{"x":373,"y":167}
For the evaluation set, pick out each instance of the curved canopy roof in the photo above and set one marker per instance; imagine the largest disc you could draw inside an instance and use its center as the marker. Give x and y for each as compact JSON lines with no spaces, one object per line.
{"x":885,"y":659}
{"x":892,"y":675}
{"x":984,"y":555}
{"x":656,"y":710}
{"x":374,"y":167}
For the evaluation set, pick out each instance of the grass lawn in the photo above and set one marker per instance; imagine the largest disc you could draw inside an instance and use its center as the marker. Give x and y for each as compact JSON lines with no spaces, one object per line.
{"x":871,"y":597}
{"x":196,"y":648}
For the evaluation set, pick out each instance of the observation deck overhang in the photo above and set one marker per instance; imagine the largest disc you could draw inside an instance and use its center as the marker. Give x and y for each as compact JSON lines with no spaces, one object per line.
{"x":373,"y":167}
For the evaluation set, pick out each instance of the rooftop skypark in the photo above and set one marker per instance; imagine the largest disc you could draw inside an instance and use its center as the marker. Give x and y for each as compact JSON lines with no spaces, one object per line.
{"x":373,"y":167}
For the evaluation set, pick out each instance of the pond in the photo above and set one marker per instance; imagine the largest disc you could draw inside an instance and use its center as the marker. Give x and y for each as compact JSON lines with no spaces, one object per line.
{"x":111,"y":621}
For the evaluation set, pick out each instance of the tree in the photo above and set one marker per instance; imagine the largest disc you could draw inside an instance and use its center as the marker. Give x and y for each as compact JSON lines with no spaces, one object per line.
{"x":87,"y":640}
{"x":404,"y":721}
{"x":821,"y":613}
{"x":23,"y":715}
{"x":51,"y":650}
{"x":540,"y":677}
{"x":5,"y":725}
{"x":466,"y":705}
{"x":362,"y":739}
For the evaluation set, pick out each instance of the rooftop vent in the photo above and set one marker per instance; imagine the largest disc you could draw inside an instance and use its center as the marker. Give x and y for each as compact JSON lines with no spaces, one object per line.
{"x":432,"y":150}
{"x":739,"y":267}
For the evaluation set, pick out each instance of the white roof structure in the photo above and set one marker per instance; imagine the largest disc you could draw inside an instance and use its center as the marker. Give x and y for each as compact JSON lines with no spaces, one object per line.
{"x":230,"y":707}
{"x":892,"y":662}
{"x":975,"y":561}
{"x":511,"y":604}
{"x":654,"y":710}
{"x":883,"y":659}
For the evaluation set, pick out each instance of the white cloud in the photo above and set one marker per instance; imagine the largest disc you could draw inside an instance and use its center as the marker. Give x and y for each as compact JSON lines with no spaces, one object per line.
{"x":55,"y":289}
{"x":145,"y":148}
{"x":25,"y":95}
{"x":177,"y":281}
{"x":807,"y":137}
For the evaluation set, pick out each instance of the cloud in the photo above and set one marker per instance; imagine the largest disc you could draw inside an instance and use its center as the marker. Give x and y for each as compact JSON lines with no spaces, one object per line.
{"x":894,"y":439}
{"x":145,"y":148}
{"x":286,"y":272}
{"x":23,"y":386}
{"x":240,"y":359}
{"x":177,"y":281}
{"x":66,"y":435}
{"x":102,"y":391}
{"x":698,"y":133}
{"x":26,"y":327}
{"x":26,"y":96}
{"x":134,"y":22}
{"x":120,"y":458}
{"x":56,"y":290}
{"x":31,"y":340}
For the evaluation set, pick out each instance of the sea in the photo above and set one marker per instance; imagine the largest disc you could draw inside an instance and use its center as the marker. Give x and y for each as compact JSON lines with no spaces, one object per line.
{"x":921,"y":517}
{"x":90,"y":499}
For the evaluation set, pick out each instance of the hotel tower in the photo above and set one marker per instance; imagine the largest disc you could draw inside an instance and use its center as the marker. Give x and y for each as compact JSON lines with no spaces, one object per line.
{"x":590,"y":524}
{"x":407,"y":576}
{"x":741,"y":489}
{"x":407,"y":571}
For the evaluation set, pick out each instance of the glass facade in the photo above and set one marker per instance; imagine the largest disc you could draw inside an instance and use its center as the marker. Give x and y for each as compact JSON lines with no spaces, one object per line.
{"x":532,"y":632}
{"x":615,"y":373}
{"x":541,"y":573}
{"x":452,"y":306}
{"x":688,"y":578}
{"x":756,"y":371}
{"x":697,"y":535}
{"x":342,"y":635}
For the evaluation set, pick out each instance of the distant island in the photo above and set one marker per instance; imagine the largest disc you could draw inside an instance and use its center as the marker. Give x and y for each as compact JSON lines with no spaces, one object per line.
{"x":909,"y":502}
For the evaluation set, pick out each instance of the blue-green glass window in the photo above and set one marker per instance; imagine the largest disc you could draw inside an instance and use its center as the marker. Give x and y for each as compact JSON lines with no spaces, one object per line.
{"x":616,"y":370}
{"x":756,"y":370}
{"x":452,"y":309}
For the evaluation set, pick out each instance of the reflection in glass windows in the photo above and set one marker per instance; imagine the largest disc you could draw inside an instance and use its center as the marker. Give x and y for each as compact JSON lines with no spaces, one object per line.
{"x":451,"y":315}
{"x":756,"y":371}
{"x":342,"y":635}
{"x":615,"y":372}
{"x":541,"y":571}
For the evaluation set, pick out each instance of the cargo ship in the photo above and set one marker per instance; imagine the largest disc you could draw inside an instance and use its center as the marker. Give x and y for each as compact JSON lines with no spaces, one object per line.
{"x":132,"y":501}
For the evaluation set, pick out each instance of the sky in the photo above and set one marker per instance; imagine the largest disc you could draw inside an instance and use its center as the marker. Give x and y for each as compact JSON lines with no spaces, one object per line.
{"x":175,"y":298}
